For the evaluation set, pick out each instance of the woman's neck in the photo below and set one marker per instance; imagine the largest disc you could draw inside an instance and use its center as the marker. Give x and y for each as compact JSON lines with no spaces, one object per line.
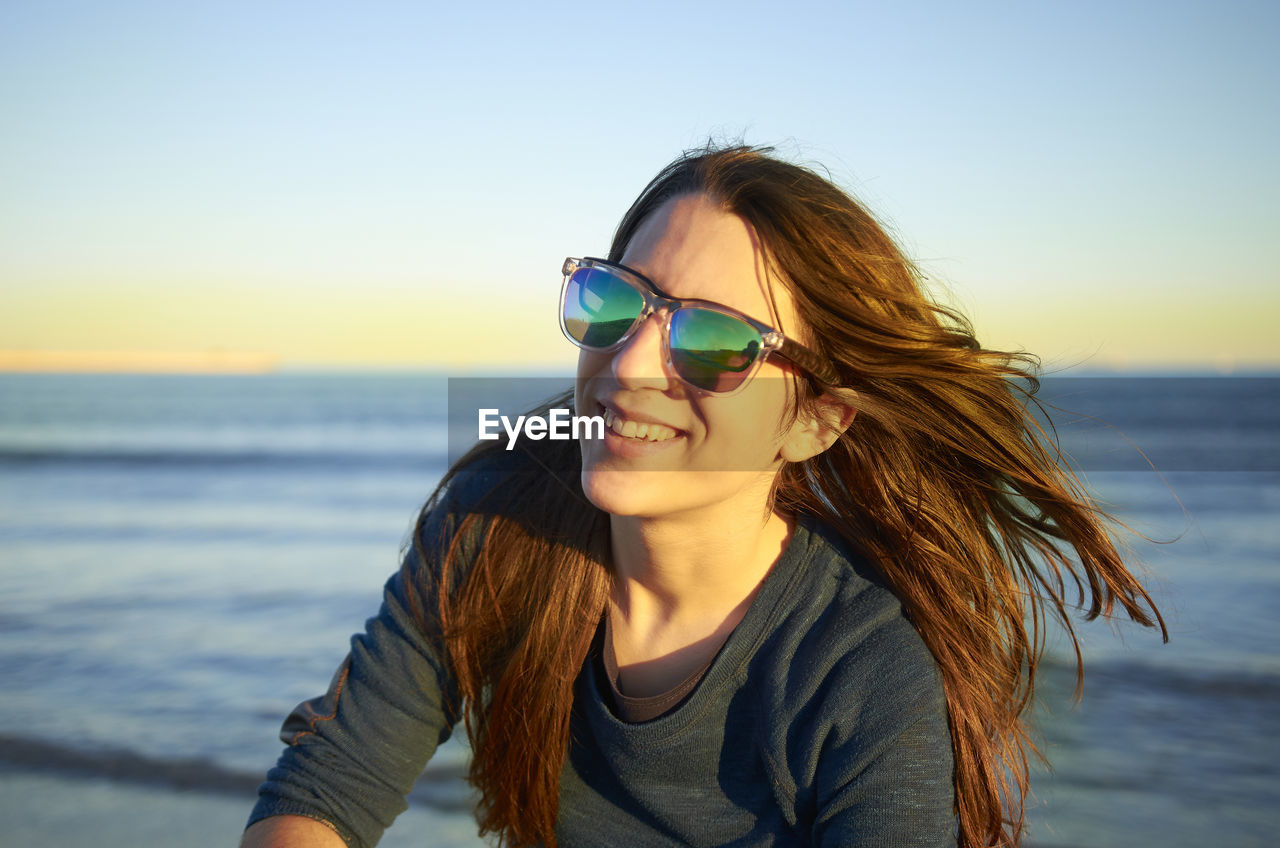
{"x":676,"y":566}
{"x":681,"y":587}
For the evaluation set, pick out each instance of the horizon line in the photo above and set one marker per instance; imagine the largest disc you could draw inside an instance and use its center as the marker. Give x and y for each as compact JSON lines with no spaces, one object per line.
{"x":250,"y":363}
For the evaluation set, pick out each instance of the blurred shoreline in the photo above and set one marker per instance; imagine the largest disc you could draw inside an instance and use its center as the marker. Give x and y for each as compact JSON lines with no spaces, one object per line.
{"x":241,"y":363}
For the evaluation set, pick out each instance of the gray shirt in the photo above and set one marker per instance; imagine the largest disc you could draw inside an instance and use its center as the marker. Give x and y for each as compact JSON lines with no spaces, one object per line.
{"x":822,"y":721}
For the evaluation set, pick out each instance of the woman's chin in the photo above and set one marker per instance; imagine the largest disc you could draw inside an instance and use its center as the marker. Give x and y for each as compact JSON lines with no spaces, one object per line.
{"x":628,"y":493}
{"x":653,"y":494}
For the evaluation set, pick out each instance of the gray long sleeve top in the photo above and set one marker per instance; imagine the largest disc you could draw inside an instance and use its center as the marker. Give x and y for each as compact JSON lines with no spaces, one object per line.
{"x":822,"y":722}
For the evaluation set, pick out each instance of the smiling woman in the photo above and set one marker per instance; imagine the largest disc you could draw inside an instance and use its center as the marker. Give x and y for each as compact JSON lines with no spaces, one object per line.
{"x":782,"y":601}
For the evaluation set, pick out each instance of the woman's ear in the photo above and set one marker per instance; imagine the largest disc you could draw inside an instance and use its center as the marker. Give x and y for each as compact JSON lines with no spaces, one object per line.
{"x":818,"y":425}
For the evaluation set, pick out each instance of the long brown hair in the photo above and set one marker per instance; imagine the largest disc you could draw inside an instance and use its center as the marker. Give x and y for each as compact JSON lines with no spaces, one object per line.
{"x":946,"y":482}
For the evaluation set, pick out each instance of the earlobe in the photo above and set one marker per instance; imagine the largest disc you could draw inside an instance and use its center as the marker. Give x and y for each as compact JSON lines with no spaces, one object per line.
{"x":817,"y":428}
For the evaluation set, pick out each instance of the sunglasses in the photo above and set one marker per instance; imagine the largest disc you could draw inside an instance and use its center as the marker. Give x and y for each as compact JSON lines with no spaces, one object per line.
{"x":712,"y":348}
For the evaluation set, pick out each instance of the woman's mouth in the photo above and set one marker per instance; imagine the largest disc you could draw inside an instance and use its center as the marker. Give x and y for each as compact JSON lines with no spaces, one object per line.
{"x":630,"y":438}
{"x":639,"y":430}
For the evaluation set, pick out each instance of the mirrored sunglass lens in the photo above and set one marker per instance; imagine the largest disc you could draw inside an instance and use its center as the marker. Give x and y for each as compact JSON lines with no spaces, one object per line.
{"x":599,"y":307}
{"x":711,"y":350}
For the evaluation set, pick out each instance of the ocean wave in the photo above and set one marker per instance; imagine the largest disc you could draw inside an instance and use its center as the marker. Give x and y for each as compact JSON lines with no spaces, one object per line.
{"x":1179,"y":681}
{"x":441,"y":786}
{"x":130,"y":457}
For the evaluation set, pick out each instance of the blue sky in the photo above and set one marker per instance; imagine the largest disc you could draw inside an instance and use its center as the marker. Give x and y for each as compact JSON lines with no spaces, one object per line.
{"x":324,"y":182}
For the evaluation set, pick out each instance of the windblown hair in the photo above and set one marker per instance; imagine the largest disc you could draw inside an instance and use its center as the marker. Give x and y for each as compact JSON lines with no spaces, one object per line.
{"x":945,"y":482}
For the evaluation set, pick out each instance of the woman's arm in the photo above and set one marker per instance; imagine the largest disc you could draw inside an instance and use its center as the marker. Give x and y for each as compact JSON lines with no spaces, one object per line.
{"x":904,"y":796}
{"x":291,"y":832}
{"x":353,"y":755}
{"x":885,"y":768}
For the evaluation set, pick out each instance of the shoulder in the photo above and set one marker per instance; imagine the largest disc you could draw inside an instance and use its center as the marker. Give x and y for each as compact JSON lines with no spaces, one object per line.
{"x":845,"y":593}
{"x":857,"y":706}
{"x":847,"y":631}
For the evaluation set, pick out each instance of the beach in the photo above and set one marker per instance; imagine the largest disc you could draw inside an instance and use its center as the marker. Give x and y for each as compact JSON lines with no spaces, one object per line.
{"x":75,"y":812}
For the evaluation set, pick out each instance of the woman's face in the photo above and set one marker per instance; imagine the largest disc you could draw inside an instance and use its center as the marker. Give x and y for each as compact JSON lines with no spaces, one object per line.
{"x":699,"y":450}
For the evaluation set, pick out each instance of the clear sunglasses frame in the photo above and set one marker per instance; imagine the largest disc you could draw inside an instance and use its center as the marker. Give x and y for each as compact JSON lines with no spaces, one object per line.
{"x":771,"y":341}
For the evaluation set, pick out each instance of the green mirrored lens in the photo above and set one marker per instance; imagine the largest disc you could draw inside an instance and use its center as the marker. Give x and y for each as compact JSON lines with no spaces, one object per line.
{"x":711,"y":350}
{"x":599,"y":307}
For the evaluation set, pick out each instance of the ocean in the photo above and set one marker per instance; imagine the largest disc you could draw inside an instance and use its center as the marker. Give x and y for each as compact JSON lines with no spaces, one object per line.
{"x":183,"y":559}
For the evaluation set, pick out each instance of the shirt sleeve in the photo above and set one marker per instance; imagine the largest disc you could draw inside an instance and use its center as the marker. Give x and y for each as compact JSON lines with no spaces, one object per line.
{"x":885,"y":776}
{"x":353,"y":754}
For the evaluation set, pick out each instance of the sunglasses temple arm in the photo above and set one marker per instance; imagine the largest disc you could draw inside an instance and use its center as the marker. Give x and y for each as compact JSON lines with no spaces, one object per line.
{"x":810,"y":361}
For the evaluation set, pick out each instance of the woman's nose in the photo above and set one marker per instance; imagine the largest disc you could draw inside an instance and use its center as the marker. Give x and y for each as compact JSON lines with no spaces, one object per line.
{"x":640,"y":362}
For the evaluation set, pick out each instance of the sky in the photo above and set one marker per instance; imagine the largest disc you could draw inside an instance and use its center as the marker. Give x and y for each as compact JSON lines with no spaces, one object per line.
{"x":370,"y":185}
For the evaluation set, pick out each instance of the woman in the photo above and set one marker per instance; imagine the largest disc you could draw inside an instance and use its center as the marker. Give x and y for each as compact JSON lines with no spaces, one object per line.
{"x":782,"y":601}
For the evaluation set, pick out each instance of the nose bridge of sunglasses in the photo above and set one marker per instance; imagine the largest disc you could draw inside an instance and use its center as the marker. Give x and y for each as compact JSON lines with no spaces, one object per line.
{"x":643,"y":355}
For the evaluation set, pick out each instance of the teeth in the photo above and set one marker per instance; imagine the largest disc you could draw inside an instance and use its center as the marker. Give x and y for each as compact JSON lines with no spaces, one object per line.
{"x":637,"y":429}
